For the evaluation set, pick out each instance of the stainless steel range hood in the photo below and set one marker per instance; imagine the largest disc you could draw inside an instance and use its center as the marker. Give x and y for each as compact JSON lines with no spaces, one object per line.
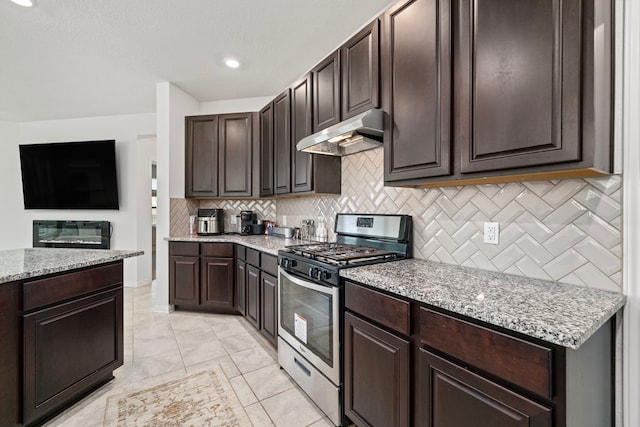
{"x":359,"y":133}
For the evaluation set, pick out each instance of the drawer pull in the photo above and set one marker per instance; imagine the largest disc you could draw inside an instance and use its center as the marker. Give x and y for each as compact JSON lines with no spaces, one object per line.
{"x":302,"y":367}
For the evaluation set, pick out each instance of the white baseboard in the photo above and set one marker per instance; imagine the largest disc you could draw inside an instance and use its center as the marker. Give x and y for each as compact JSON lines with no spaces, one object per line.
{"x":169,"y":308}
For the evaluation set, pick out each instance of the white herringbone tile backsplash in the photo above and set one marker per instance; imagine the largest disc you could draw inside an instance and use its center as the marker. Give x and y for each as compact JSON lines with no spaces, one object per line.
{"x":564,"y":230}
{"x":180,"y":209}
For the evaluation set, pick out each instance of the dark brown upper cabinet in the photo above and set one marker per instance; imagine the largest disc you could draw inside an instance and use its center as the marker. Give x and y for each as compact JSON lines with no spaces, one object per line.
{"x":301,"y":162}
{"x":519,"y":71}
{"x":496,"y":91}
{"x":282,"y":142}
{"x":360,"y":71}
{"x":235,"y":140}
{"x":326,"y":92}
{"x":201,"y":167}
{"x":266,"y":151}
{"x":219,"y":155}
{"x":416,"y":65}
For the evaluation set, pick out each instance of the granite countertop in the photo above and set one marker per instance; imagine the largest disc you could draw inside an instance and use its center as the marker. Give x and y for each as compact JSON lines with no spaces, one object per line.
{"x":561,"y":314}
{"x":18,"y":264}
{"x":260,"y":242}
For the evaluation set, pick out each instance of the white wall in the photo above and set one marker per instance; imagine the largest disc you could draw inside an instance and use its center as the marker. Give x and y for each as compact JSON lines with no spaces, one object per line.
{"x":13,"y":224}
{"x":235,"y":105}
{"x":631,"y":159}
{"x":125,"y":130}
{"x":172,"y":105}
{"x":146,"y":155}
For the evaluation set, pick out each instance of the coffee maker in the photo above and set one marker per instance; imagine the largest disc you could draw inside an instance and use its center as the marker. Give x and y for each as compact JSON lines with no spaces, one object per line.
{"x":247,"y":219}
{"x":210,"y":222}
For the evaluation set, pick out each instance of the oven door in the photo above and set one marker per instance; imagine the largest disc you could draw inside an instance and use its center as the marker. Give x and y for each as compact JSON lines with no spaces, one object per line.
{"x":308,"y":319}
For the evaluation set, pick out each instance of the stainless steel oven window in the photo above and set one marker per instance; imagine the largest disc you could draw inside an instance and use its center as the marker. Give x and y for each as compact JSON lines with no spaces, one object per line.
{"x":311,"y":312}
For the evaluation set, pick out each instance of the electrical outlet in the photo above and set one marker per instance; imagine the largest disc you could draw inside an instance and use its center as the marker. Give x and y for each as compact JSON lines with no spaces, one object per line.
{"x":491,"y":233}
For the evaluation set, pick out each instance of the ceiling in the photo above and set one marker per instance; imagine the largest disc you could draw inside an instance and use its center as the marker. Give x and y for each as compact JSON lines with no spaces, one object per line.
{"x":85,"y":58}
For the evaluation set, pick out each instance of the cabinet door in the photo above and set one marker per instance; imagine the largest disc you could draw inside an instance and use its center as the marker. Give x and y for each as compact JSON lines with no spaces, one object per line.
{"x":236,"y":154}
{"x":518,"y":82}
{"x":201,"y":163}
{"x":452,"y":396}
{"x":266,"y":151}
{"x":241,"y":285}
{"x":360,"y":70}
{"x":301,"y":162}
{"x":216,"y":282}
{"x":68,"y":349}
{"x":184,"y":280}
{"x":11,"y":301}
{"x":417,"y":90}
{"x":282,"y":143}
{"x":269,"y":306}
{"x":376,"y":375}
{"x":326,"y":92}
{"x":253,"y":296}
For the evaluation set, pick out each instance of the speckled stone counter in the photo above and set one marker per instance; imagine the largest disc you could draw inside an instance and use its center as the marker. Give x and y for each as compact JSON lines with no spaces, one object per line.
{"x":561,"y":314}
{"x":268,"y":244}
{"x":18,"y":264}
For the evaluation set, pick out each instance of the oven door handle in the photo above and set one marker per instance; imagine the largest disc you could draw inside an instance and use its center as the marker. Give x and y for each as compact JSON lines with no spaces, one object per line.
{"x":330,"y":290}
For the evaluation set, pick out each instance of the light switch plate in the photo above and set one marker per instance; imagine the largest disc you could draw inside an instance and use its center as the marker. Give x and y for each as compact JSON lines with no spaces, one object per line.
{"x":492,"y":233}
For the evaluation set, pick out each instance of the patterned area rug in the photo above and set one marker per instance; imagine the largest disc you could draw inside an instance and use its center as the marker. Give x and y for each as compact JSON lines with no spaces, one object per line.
{"x":202,"y":399}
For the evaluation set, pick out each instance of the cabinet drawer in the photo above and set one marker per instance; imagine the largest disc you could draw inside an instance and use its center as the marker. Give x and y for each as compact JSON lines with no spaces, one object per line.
{"x":43,"y":292}
{"x":217,"y":249}
{"x":517,"y":361}
{"x":384,"y":309}
{"x":241,"y":252}
{"x":269,"y":264}
{"x":253,"y":257}
{"x":184,"y":249}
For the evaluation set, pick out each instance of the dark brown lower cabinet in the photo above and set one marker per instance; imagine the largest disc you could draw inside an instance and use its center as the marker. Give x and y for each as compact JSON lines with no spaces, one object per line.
{"x":217,"y":283}
{"x":202,"y":276}
{"x":466,"y":373}
{"x":71,"y":338}
{"x":241,"y":287}
{"x":452,"y":396}
{"x":184,"y":280}
{"x":269,"y":306}
{"x":377,"y":383}
{"x":69,"y":349}
{"x":253,"y":296}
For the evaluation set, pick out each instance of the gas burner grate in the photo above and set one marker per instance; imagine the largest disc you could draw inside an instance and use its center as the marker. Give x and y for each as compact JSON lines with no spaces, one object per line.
{"x":341,"y":254}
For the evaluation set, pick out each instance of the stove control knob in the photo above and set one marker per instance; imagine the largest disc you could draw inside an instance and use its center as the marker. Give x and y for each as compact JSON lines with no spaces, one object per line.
{"x":288,"y":263}
{"x":323,"y":275}
{"x":313,"y":272}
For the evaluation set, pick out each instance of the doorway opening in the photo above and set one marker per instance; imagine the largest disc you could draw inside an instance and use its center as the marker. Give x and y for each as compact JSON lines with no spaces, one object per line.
{"x":154,"y":210}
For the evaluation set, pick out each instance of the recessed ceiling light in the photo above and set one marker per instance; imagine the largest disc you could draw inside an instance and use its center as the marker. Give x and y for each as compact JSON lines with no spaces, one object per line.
{"x":231,"y":63}
{"x":25,"y":3}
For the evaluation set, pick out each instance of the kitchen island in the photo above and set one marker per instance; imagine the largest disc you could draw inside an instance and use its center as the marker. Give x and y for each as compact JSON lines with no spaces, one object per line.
{"x":61,"y":328}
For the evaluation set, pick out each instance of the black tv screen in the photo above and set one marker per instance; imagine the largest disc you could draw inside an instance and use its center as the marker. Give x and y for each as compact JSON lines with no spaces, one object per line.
{"x":69,"y":175}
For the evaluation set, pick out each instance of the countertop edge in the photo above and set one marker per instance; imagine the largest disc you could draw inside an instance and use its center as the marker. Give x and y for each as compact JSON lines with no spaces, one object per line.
{"x":268,"y":244}
{"x":111,"y":257}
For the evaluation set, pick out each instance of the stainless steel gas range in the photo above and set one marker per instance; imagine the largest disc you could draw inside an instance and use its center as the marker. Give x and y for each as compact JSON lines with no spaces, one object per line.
{"x":311,"y":299}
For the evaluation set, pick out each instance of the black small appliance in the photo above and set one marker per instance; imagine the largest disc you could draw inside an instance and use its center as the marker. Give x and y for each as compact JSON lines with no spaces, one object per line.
{"x":247,"y":219}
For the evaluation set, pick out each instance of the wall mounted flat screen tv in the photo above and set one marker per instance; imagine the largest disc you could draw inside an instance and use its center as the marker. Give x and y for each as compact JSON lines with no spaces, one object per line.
{"x":69,"y":175}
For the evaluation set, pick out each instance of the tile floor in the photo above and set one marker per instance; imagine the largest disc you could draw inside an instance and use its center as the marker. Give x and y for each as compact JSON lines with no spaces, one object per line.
{"x":159,"y":348}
